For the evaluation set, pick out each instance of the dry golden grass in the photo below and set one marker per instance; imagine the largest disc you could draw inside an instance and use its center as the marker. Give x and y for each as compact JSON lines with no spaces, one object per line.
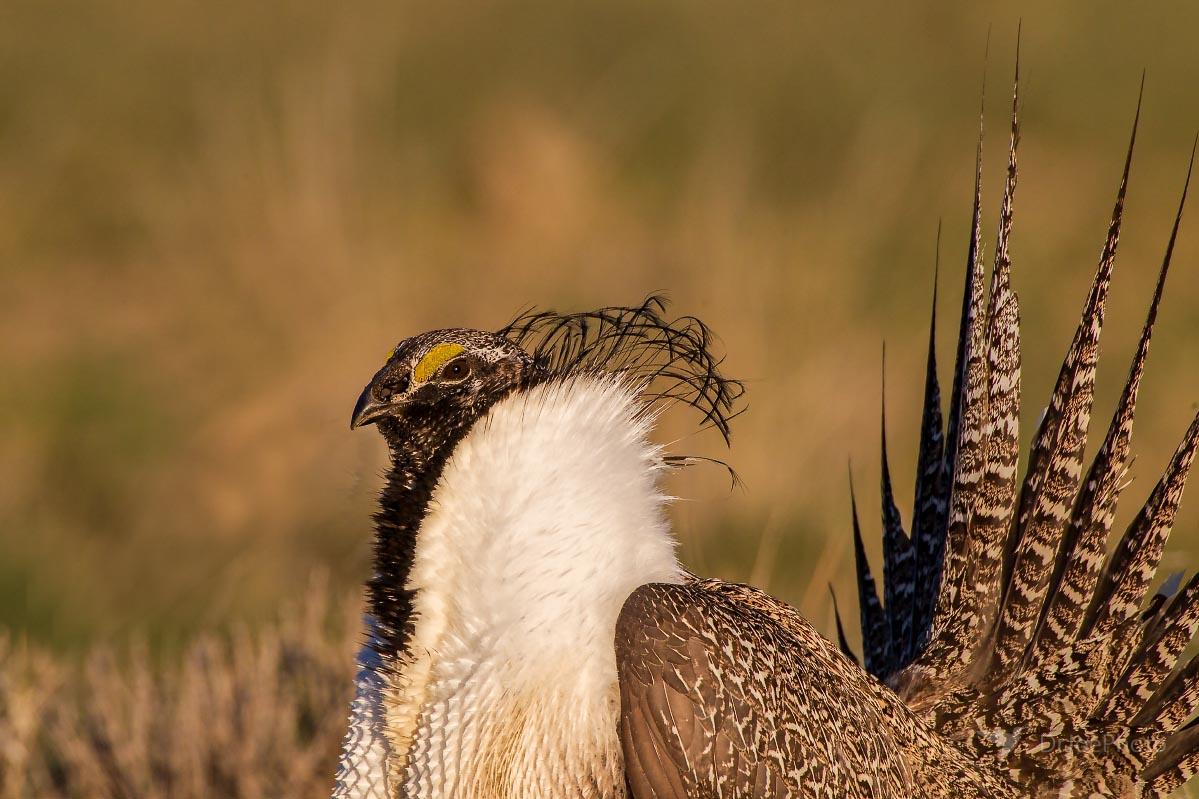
{"x":248,"y":715}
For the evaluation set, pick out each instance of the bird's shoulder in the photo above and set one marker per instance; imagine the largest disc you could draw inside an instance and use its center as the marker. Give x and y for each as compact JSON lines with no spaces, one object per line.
{"x":722,"y":685}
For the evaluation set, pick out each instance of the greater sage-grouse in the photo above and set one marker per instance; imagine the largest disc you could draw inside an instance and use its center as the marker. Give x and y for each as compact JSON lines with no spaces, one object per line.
{"x":532,"y":633}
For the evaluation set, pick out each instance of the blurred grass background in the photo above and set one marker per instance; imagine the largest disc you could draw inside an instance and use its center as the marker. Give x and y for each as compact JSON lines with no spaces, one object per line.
{"x":215,"y":219}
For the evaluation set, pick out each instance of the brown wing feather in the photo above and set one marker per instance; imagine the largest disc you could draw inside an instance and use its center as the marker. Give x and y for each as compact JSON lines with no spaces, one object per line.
{"x":728,"y":692}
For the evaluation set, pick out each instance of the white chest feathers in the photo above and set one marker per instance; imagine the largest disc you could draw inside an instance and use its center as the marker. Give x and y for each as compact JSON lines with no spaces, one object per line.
{"x":547,"y":516}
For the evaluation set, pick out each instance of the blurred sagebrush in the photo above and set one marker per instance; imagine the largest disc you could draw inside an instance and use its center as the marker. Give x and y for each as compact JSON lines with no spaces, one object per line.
{"x":247,"y":715}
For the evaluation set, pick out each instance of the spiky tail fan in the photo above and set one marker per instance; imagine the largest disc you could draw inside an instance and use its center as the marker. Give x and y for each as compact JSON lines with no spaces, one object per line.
{"x":1001,"y":621}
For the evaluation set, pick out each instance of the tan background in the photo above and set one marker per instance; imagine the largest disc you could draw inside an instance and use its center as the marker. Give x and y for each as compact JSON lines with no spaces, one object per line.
{"x":216,"y":218}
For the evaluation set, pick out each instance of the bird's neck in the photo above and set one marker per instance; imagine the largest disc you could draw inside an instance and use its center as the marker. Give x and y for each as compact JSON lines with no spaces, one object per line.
{"x":402,"y":507}
{"x":544,"y":519}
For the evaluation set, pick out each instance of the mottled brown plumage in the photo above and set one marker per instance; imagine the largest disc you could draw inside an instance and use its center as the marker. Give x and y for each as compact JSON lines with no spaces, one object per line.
{"x":727,"y":692}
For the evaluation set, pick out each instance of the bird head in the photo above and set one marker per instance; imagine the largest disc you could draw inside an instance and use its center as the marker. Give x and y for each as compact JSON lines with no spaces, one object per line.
{"x":435,"y":385}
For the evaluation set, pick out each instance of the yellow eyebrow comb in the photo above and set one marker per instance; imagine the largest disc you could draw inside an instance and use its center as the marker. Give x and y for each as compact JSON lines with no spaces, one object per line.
{"x":434,"y":358}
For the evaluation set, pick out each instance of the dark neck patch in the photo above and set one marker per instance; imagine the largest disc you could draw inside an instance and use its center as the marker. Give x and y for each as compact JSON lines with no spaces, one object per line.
{"x":402,"y":508}
{"x":420,"y":450}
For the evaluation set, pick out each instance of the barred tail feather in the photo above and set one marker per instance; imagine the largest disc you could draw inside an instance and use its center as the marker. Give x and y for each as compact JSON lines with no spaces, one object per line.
{"x":1080,"y":556}
{"x":1019,"y":625}
{"x":943,"y":654}
{"x":842,"y":641}
{"x":1156,"y":657}
{"x":996,"y":501}
{"x":1131,"y":567}
{"x":929,"y":505}
{"x":1176,"y":764}
{"x":898,"y":561}
{"x":876,"y":633}
{"x":1056,"y":458}
{"x":981,"y":453}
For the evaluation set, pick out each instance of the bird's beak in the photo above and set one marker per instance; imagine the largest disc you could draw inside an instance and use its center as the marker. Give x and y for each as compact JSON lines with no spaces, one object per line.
{"x":367,"y":410}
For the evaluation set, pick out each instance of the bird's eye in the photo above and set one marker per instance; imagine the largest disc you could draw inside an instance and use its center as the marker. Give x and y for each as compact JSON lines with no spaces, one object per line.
{"x":456,"y":370}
